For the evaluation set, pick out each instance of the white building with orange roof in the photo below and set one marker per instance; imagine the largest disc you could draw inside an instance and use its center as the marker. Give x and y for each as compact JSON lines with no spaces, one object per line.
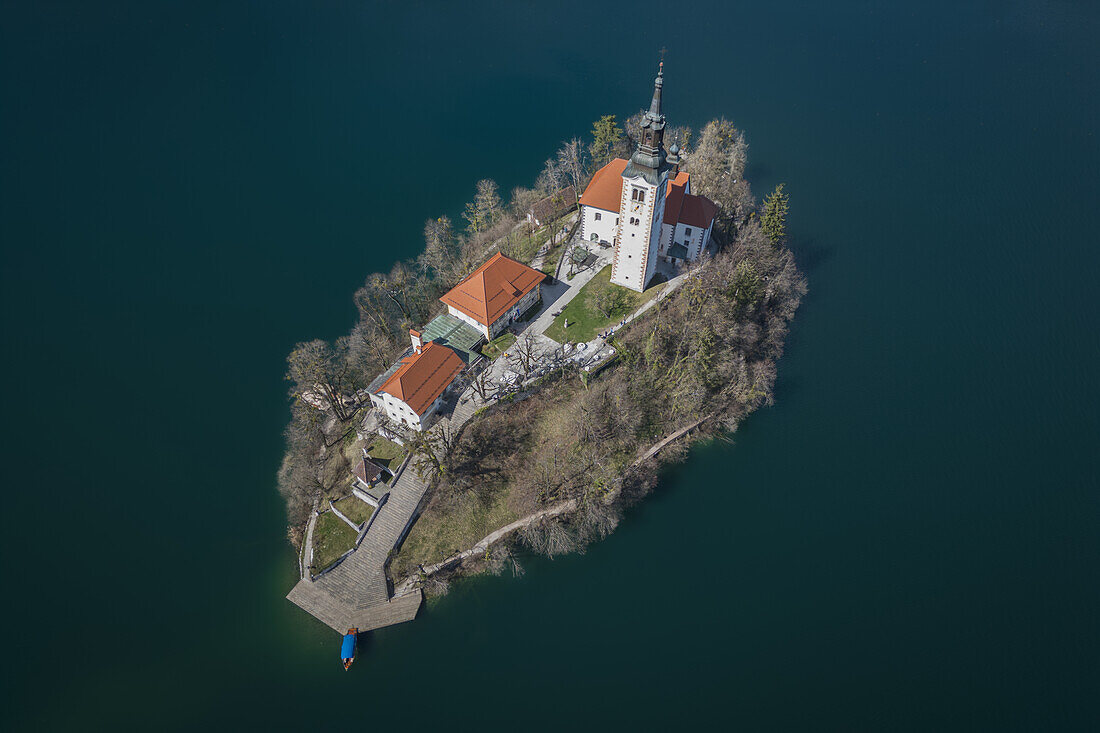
{"x":412,"y":390}
{"x":644,"y":207}
{"x":495,"y":294}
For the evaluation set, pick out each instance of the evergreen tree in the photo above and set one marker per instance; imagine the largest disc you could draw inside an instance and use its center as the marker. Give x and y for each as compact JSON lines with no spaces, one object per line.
{"x":606,"y":139}
{"x":774,"y":220}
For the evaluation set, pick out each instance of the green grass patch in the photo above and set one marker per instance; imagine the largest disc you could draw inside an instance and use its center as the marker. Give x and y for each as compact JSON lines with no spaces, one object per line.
{"x":332,"y":537}
{"x":386,"y":453}
{"x":585,"y":320}
{"x":529,"y":245}
{"x":354,"y":508}
{"x":498,"y":346}
{"x":440,"y":534}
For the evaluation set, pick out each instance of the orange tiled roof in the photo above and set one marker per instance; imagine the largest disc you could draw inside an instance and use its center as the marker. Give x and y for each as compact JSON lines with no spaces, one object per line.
{"x":423,"y":377}
{"x":697,"y":211}
{"x":606,"y":189}
{"x":493,"y":288}
{"x":674,"y":197}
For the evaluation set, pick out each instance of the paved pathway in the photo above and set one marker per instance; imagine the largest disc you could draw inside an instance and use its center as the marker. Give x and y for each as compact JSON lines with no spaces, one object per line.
{"x":356,"y":593}
{"x":303,"y":558}
{"x":557,"y":296}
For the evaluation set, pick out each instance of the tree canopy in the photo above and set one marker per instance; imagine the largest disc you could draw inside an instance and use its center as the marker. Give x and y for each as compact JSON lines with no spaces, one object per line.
{"x":774,"y":219}
{"x":607,"y":138}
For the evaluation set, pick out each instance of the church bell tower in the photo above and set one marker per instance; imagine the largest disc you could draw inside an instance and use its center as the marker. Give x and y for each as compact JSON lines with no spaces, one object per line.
{"x":642,"y":206}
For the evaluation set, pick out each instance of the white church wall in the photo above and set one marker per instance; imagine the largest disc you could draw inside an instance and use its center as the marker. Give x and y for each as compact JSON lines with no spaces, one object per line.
{"x":640,"y":232}
{"x":600,"y":223}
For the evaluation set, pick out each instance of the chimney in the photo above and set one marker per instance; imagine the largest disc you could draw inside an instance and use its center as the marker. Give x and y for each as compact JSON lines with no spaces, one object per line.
{"x":418,"y":343}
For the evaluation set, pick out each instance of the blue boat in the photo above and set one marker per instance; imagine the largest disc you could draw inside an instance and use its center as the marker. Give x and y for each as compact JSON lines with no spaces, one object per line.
{"x":347,"y":649}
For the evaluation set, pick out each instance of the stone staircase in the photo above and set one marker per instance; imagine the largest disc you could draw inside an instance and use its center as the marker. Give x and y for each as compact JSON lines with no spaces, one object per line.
{"x":356,"y":592}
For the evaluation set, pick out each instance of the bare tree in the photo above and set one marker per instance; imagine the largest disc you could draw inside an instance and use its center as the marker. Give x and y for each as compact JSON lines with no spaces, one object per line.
{"x":526,"y":352}
{"x":485,"y":209}
{"x":370,"y":349}
{"x":678,"y":135}
{"x":607,"y":300}
{"x":438,"y":246}
{"x":431,"y":451}
{"x":548,"y":537}
{"x":632,"y":126}
{"x":553,"y":177}
{"x":571,"y":159}
{"x":523,"y":199}
{"x":316,"y":367}
{"x":577,"y":256}
{"x":482,"y":383}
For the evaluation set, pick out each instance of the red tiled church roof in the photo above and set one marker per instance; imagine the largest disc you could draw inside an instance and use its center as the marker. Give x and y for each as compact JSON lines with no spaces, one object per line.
{"x":674,"y":197}
{"x":697,"y":211}
{"x":606,"y":190}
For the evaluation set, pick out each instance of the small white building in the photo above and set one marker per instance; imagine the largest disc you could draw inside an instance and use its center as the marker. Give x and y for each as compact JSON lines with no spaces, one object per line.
{"x":413,"y":390}
{"x":495,"y":294}
{"x":644,"y":207}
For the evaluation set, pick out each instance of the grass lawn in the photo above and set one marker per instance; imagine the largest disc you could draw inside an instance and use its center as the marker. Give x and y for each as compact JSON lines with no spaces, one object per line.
{"x":585,"y":321}
{"x":437,"y":535}
{"x":386,"y":452}
{"x":331,"y":539}
{"x":498,"y":346}
{"x":530,"y":245}
{"x":354,"y":508}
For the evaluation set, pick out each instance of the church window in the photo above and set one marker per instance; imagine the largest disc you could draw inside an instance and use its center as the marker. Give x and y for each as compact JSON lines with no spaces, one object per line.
{"x":687,"y":230}
{"x":638,"y":195}
{"x":598,"y":218}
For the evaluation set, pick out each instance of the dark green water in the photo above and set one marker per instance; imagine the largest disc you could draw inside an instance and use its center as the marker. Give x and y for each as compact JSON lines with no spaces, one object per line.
{"x":907,"y":540}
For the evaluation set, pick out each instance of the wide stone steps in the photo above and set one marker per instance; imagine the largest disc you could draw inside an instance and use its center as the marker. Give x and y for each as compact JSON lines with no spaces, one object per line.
{"x":356,"y":592}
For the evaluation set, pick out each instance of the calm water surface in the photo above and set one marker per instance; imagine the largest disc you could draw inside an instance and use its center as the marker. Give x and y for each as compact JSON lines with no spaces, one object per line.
{"x":907,"y":540}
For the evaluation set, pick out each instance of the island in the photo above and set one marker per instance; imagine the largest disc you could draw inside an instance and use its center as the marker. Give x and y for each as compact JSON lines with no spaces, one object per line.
{"x":520,"y":383}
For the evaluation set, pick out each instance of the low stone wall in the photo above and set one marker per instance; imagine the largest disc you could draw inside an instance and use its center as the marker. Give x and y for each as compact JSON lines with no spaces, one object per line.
{"x":342,"y":516}
{"x":364,"y":496}
{"x":370,"y":520}
{"x":485,"y":543}
{"x":335,"y":563}
{"x":411,"y":582}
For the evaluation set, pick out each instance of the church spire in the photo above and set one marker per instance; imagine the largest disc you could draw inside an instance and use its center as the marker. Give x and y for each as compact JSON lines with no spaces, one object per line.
{"x":658,"y":83}
{"x":648,"y":159}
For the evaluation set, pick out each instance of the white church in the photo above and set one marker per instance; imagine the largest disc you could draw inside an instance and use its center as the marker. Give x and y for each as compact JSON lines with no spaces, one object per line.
{"x":644,"y":207}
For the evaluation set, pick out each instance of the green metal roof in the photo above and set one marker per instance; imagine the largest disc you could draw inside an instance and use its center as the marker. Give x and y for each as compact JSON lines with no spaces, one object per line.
{"x":455,"y":333}
{"x":678,"y":251}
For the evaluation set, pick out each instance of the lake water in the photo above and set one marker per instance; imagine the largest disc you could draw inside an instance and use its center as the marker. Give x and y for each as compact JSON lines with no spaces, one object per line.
{"x":907,"y":540}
